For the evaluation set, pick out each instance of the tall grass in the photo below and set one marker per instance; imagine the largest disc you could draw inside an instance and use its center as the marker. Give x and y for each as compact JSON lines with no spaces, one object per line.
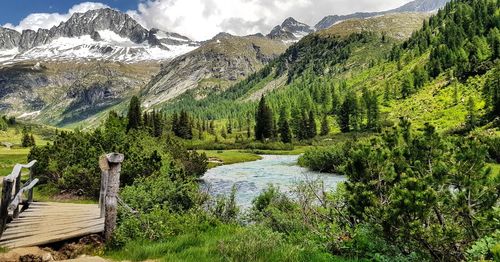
{"x":222,"y":243}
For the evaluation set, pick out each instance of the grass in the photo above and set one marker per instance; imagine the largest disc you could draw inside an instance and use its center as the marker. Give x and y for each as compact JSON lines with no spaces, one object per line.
{"x":222,"y":243}
{"x":48,"y":193}
{"x":8,"y":158}
{"x":230,"y":156}
{"x":495,"y":169}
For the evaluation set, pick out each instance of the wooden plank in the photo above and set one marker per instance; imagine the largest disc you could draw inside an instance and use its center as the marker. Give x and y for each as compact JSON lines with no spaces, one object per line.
{"x":46,"y":223}
{"x":62,"y":235}
{"x":36,"y":226}
{"x":42,"y":240}
{"x":52,"y":232}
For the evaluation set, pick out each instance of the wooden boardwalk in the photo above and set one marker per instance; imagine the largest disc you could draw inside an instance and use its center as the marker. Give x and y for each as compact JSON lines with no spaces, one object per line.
{"x":45,"y":223}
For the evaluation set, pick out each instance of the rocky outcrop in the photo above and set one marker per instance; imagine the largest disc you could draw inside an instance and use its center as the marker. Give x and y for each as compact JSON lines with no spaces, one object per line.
{"x":9,"y":38}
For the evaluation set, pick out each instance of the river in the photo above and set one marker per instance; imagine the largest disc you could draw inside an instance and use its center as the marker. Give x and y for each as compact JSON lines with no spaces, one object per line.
{"x":251,"y":178}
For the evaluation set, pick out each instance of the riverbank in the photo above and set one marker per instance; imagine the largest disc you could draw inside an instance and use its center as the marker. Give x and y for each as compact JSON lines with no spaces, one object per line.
{"x":252,"y":178}
{"x":228,"y":157}
{"x":236,"y":156}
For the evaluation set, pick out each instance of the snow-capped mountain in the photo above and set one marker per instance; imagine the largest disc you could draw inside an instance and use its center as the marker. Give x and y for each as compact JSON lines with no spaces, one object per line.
{"x":98,"y":34}
{"x":290,"y":30}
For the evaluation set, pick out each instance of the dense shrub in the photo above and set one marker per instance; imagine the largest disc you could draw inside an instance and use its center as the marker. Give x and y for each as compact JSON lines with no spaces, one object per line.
{"x":164,"y":205}
{"x":328,"y":159}
{"x":71,"y":162}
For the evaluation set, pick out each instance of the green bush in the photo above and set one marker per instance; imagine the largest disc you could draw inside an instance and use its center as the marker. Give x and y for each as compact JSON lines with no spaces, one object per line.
{"x":165,"y":205}
{"x":486,"y":248}
{"x":327,"y":160}
{"x":71,"y":162}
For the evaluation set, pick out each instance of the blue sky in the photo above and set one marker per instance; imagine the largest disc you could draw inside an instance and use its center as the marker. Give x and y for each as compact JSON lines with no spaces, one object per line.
{"x":13,"y":11}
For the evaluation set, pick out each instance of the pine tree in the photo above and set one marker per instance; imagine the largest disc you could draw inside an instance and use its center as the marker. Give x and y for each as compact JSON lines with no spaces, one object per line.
{"x":312,"y":131}
{"x":223,"y":133}
{"x":211,"y":128}
{"x":491,"y":92}
{"x":157,"y":122}
{"x":230,"y":126}
{"x":175,"y":124}
{"x":249,"y":132}
{"x":372,"y":109}
{"x":325,"y":127}
{"x":407,"y":86}
{"x":387,"y":94}
{"x":349,"y":113}
{"x":185,"y":130}
{"x":303,"y":129}
{"x":264,"y":121}
{"x":335,"y":102}
{"x":32,"y":140}
{"x":284,"y":127}
{"x":471,"y":119}
{"x":134,"y":114}
{"x":27,"y":139}
{"x":455,"y":93}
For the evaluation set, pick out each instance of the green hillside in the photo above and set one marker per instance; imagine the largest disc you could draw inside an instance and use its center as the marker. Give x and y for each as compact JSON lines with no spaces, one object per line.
{"x":377,"y":55}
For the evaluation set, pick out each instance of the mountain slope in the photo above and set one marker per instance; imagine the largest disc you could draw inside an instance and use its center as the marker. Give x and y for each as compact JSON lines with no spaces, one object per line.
{"x":413,"y":6}
{"x":214,"y":66}
{"x":348,"y":48}
{"x":428,"y":78}
{"x":63,"y":93}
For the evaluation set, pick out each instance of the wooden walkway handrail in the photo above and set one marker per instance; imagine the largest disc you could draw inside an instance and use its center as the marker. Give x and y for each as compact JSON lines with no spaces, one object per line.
{"x":45,"y":223}
{"x":16,"y":172}
{"x":19,"y":197}
{"x":11,"y":200}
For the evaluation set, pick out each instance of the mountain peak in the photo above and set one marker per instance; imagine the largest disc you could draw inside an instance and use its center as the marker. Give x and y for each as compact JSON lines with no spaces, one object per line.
{"x":290,"y":30}
{"x":289,"y":21}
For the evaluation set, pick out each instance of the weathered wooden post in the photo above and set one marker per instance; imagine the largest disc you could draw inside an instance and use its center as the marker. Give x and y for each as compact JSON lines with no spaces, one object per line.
{"x":103,"y":164}
{"x":15,"y":213}
{"x":113,"y":185}
{"x":30,"y":192}
{"x":6,"y":197}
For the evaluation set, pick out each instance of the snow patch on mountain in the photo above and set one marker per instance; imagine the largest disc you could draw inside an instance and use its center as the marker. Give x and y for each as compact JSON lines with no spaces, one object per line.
{"x":110,"y":46}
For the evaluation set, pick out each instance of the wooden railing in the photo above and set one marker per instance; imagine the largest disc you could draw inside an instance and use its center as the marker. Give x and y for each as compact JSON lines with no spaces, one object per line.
{"x":12,"y":194}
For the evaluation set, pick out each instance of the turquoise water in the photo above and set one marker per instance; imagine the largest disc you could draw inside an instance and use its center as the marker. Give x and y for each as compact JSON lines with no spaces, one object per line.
{"x":252,"y":178}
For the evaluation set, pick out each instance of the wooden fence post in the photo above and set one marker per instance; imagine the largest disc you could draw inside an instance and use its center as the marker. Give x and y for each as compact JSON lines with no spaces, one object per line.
{"x":104,"y":165}
{"x":113,"y":185}
{"x":30,"y":192}
{"x":6,"y":197}
{"x":17,"y":184}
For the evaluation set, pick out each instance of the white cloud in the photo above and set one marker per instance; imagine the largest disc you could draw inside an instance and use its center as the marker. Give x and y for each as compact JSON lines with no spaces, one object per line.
{"x":46,"y":20}
{"x":202,"y":19}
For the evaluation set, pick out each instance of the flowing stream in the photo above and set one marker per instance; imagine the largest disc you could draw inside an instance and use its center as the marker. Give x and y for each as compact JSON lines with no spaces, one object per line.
{"x":251,"y":178}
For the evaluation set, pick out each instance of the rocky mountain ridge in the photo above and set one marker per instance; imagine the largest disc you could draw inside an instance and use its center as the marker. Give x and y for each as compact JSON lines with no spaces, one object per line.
{"x":104,"y":33}
{"x":419,"y":6}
